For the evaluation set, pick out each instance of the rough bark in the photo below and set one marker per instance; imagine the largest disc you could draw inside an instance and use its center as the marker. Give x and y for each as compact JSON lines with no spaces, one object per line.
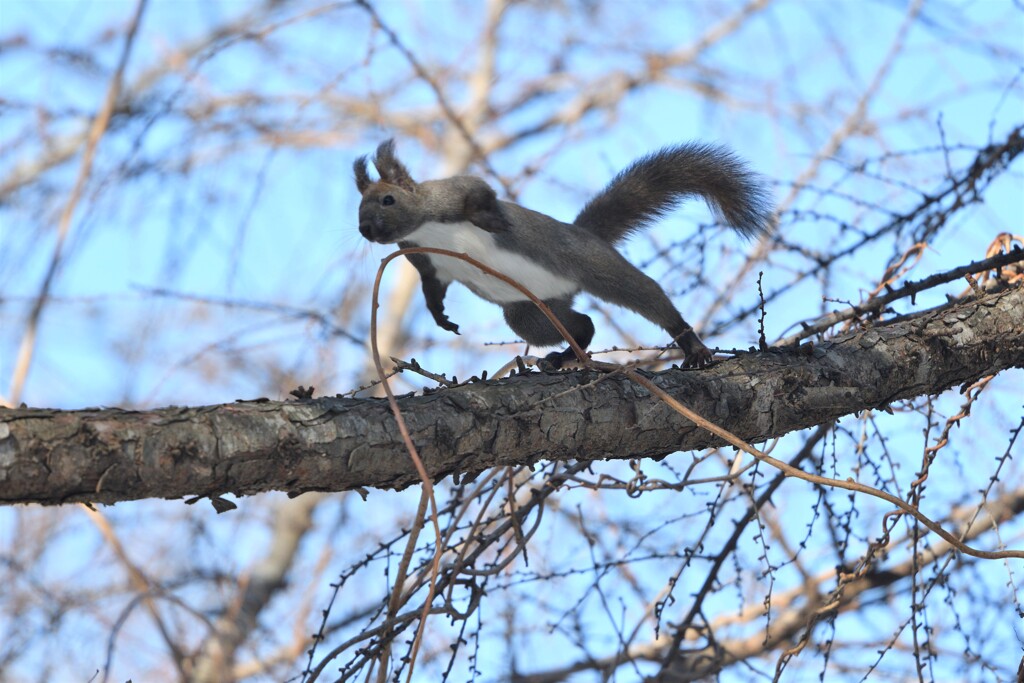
{"x":332,"y":444}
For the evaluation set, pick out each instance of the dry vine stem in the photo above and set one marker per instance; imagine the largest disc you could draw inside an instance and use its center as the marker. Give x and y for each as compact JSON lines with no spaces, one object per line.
{"x":427,"y":494}
{"x":718,"y":431}
{"x":428,"y":487}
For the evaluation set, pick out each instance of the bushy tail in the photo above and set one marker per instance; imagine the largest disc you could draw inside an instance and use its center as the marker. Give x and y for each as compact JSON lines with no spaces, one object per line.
{"x":657,"y":183}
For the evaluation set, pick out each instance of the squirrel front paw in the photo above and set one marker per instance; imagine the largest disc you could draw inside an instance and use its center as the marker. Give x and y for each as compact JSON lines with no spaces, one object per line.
{"x":447,"y":324}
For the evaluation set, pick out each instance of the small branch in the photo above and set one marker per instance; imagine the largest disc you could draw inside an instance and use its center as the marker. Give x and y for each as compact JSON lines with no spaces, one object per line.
{"x":910,"y":289}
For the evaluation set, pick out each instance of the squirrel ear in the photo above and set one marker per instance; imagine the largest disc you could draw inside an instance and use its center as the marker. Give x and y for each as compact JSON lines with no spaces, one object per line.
{"x":362,"y":176}
{"x":390,"y":168}
{"x":481,"y":208}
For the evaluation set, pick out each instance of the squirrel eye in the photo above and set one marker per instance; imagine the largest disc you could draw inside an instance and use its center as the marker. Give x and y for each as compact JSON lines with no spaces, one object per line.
{"x":387,"y":200}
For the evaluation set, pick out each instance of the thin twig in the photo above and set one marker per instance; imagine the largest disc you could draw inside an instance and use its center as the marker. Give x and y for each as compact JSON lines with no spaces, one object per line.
{"x":909,"y":289}
{"x":791,"y":471}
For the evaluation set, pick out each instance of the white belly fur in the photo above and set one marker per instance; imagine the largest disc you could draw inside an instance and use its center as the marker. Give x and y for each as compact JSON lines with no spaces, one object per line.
{"x":467,"y":238}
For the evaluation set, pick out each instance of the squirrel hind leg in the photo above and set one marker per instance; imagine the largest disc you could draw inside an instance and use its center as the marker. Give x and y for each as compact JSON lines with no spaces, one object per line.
{"x":533,"y":326}
{"x":623,"y":284}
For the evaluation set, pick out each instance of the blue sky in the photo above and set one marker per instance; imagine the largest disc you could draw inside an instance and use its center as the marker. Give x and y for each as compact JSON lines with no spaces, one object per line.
{"x":231,"y":218}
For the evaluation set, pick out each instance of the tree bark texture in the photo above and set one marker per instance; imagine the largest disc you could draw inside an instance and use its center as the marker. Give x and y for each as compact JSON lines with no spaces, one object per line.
{"x":335,"y":444}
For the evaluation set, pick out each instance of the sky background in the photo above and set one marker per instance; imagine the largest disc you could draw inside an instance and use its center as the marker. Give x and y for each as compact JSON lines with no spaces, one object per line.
{"x":232,"y":219}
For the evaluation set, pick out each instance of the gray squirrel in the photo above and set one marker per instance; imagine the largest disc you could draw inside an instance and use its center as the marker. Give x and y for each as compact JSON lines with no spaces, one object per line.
{"x":556,"y":260}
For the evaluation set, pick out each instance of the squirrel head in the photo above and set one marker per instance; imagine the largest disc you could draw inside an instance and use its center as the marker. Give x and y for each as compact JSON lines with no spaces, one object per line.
{"x":395,"y":205}
{"x":390,"y":208}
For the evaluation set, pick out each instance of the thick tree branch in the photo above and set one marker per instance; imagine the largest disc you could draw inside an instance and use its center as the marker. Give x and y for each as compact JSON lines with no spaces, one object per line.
{"x":108,"y":455}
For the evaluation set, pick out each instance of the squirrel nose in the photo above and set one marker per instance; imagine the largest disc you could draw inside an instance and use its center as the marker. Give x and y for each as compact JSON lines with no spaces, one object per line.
{"x":369,"y":228}
{"x":372,"y":231}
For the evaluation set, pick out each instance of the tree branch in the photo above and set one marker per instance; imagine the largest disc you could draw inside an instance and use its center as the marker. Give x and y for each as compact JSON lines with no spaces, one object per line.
{"x":109,"y":455}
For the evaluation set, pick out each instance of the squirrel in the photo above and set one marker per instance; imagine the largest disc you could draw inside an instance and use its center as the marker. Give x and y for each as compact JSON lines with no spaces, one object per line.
{"x":556,"y":260}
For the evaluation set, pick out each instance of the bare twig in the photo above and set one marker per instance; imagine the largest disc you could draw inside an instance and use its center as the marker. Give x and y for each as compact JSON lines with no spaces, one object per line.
{"x":908,"y":290}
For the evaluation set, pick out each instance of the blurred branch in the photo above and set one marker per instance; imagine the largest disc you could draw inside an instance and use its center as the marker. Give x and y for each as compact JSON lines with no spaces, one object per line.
{"x":442,"y":101}
{"x":141,"y":583}
{"x":96,"y":131}
{"x":610,"y":90}
{"x":130,"y":100}
{"x":324,"y":320}
{"x":293,"y":519}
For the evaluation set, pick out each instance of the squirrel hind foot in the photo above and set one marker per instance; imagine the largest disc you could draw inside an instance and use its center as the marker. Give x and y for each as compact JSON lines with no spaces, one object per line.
{"x":697,"y":355}
{"x":698,"y":360}
{"x":557,"y":359}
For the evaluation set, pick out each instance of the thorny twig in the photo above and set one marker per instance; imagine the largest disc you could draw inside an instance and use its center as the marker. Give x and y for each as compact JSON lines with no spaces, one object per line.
{"x":997,"y":263}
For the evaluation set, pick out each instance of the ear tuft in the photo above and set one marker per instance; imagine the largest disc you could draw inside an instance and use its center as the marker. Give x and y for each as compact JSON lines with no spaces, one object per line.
{"x":390,"y":168}
{"x":481,"y":208}
{"x":362,"y":176}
